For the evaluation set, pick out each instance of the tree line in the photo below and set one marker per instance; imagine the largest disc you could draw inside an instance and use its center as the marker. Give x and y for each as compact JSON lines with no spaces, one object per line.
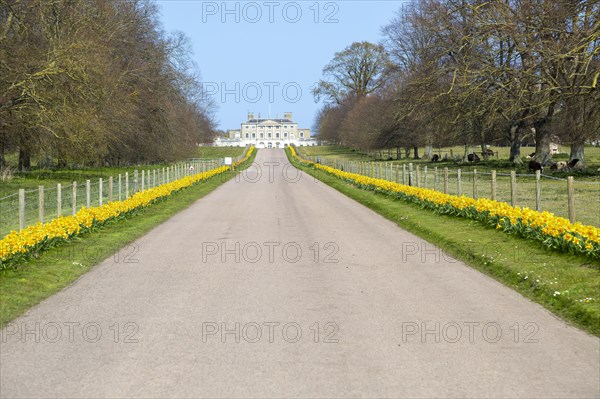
{"x":470,"y":72}
{"x":96,"y":82}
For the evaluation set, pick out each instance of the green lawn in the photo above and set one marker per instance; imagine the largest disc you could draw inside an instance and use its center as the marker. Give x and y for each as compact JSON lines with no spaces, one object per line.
{"x":219,"y":152}
{"x":37,"y":279}
{"x":554,"y":196}
{"x":525,"y":266}
{"x":30,"y":181}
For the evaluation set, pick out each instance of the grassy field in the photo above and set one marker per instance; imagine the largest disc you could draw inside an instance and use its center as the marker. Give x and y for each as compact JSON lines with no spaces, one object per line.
{"x":499,"y":161}
{"x":219,"y":152}
{"x":554,"y":196}
{"x":49,"y":178}
{"x":525,"y":266}
{"x":37,"y":279}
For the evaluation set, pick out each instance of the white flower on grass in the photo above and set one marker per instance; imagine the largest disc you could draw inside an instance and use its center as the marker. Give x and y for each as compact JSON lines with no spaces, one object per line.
{"x":556,"y":293}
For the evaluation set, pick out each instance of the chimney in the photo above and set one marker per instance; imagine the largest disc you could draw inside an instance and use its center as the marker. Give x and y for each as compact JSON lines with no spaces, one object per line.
{"x":287,"y":115}
{"x":250,"y":115}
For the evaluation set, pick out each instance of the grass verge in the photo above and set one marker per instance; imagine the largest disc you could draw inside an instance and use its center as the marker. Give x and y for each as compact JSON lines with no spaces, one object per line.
{"x":562,"y":283}
{"x":37,"y":279}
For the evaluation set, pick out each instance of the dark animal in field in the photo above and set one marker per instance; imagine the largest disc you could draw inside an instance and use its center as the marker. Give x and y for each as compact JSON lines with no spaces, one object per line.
{"x":489,"y":152}
{"x":530,"y":156}
{"x":473,"y":157}
{"x":533,"y":165}
{"x":573,"y":162}
{"x":435,"y":158}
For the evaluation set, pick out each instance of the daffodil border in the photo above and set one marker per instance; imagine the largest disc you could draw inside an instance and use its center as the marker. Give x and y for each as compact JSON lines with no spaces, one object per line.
{"x":18,"y":246}
{"x":552,"y":231}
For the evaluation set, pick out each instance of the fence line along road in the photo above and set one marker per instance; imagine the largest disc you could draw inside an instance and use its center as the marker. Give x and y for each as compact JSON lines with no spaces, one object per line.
{"x":576,"y":200}
{"x":27,"y":207}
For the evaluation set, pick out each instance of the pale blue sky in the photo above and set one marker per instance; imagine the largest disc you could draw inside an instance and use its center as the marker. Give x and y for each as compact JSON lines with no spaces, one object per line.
{"x":275,"y":60}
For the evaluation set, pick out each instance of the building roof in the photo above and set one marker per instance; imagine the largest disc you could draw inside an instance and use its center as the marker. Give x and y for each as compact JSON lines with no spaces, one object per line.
{"x":261,"y":120}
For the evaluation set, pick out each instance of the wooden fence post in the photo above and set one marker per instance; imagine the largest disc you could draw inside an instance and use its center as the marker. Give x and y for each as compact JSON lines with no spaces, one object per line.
{"x":110,"y":189}
{"x":397,"y":173}
{"x":538,"y":191}
{"x":435,"y":177}
{"x":445,"y":180}
{"x":59,"y":200}
{"x":143,"y":175}
{"x":154,"y":178}
{"x":425,"y":176}
{"x":493,"y":195}
{"x":41,"y":204}
{"x":100,"y":189}
{"x":88,"y":189}
{"x":571,"y":198}
{"x":417,"y":176}
{"x":513,"y":188}
{"x":21,"y":209}
{"x":403,"y":173}
{"x":126,"y":185}
{"x":458,"y":182}
{"x":410,"y":174}
{"x":74,"y":198}
{"x":475,"y":183}
{"x":135,"y":181}
{"x":119,"y":187}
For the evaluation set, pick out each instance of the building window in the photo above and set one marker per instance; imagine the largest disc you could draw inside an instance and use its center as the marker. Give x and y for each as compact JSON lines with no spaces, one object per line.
{"x":253,"y":135}
{"x":285,"y":135}
{"x":246,"y":135}
{"x":262,"y":135}
{"x":277,"y":135}
{"x":301,"y":134}
{"x":270,"y":134}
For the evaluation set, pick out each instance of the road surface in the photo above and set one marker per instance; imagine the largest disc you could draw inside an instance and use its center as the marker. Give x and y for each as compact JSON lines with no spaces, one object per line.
{"x":276,"y":285}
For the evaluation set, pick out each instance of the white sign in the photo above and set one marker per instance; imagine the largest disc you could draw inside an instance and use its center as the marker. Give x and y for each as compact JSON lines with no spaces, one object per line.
{"x":227,"y":160}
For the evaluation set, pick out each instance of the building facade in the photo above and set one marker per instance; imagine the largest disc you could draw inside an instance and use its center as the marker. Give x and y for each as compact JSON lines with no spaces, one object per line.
{"x":267,"y":133}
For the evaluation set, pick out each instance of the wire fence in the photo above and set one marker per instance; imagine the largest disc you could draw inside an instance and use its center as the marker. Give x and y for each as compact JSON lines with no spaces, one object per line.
{"x":47,"y":202}
{"x":578,"y":201}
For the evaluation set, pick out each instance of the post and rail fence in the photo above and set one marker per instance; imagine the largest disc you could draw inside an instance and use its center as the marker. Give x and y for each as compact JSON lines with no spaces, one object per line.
{"x":45,"y":203}
{"x":535,"y":191}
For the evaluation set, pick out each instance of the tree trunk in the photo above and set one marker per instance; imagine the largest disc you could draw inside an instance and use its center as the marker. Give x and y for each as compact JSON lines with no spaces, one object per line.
{"x":398,"y":153}
{"x":484,"y":152}
{"x":428,"y":152}
{"x":2,"y":160}
{"x":542,"y":137}
{"x":24,"y":159}
{"x":407,"y":152}
{"x":416,"y":151}
{"x":542,"y":148}
{"x":577,"y":153}
{"x":515,"y":144}
{"x":466,"y":155}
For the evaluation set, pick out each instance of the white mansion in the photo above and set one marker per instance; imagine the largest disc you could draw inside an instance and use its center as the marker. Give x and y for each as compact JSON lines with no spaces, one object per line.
{"x":267,"y":133}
